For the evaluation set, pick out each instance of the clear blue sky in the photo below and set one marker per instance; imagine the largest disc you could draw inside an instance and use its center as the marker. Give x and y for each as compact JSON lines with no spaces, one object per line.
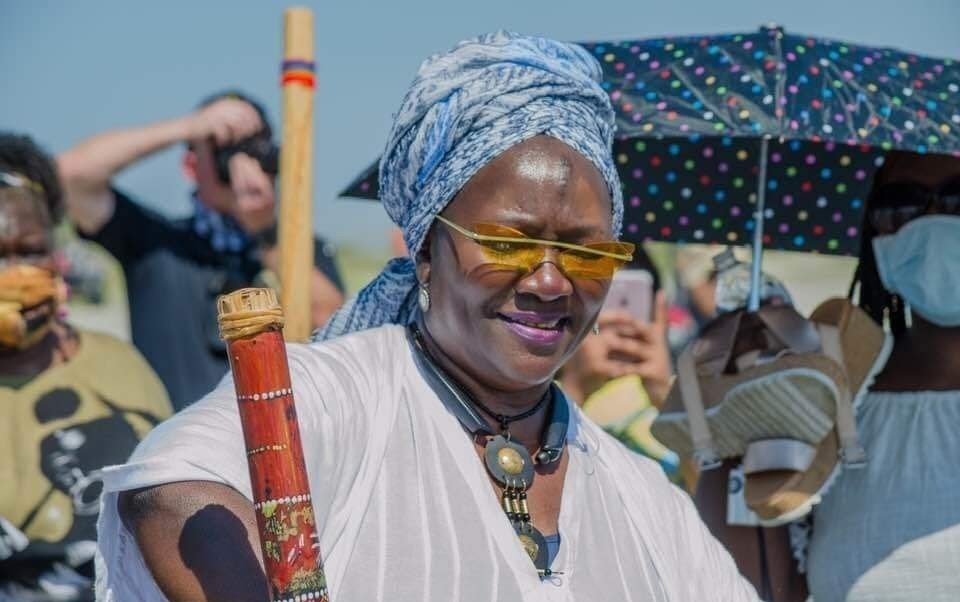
{"x":71,"y":69}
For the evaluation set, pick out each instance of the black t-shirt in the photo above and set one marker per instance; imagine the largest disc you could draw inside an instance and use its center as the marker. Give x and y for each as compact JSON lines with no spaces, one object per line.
{"x":173,"y":278}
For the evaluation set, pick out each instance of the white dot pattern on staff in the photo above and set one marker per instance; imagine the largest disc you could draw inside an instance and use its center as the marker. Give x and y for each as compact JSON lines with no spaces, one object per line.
{"x":265,"y":448}
{"x":317,"y":595}
{"x":294,"y":499}
{"x":265,"y":396}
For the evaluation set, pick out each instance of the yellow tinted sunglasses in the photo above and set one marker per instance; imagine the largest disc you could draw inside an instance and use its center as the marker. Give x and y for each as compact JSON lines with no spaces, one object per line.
{"x":512,"y":249}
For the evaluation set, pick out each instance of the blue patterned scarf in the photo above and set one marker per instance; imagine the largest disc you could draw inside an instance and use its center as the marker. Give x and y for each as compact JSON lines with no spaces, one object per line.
{"x":463,"y":109}
{"x":222,"y":232}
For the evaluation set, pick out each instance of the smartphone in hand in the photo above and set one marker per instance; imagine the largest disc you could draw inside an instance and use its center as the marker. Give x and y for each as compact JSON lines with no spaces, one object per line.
{"x":631,"y":291}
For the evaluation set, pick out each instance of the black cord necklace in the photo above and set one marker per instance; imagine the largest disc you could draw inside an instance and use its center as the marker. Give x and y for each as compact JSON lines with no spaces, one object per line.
{"x":508,"y":462}
{"x":504,"y":421}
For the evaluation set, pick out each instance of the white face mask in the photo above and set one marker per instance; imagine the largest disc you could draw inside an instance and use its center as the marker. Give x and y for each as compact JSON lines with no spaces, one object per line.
{"x":921,"y":263}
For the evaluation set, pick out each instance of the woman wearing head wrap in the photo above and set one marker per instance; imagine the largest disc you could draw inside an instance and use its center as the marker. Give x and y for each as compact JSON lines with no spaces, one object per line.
{"x":444,"y":465}
{"x":71,"y":401}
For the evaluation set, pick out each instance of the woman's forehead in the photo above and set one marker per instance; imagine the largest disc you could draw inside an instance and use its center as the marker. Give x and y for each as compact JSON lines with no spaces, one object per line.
{"x":541,"y":181}
{"x":20,"y":211}
{"x":542,"y":165}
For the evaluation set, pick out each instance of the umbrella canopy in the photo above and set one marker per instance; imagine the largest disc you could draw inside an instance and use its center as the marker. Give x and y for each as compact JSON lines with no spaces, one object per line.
{"x":366,"y":185}
{"x":711,"y":128}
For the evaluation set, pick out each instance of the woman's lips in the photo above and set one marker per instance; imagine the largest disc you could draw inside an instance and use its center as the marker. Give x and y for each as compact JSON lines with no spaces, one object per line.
{"x":537,"y":328}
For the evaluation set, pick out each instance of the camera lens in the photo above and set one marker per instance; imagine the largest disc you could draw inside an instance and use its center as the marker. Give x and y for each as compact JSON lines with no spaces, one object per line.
{"x":262,"y":149}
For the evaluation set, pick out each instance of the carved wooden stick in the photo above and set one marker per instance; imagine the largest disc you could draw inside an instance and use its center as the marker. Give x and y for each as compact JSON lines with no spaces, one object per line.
{"x":250,"y":322}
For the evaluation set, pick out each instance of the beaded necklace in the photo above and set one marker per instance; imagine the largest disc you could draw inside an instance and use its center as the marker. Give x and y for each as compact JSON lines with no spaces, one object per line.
{"x":507,"y":462}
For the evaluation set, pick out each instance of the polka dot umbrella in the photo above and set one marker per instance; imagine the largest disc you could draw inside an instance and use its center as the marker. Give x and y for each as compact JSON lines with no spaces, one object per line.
{"x":766,"y":138}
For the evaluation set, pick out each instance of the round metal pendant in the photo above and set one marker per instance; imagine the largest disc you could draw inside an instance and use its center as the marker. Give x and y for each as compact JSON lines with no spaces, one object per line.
{"x":508,"y":462}
{"x":534,"y":544}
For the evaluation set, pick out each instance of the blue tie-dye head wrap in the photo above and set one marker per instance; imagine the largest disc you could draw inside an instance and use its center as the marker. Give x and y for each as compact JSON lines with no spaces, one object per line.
{"x":464,"y":108}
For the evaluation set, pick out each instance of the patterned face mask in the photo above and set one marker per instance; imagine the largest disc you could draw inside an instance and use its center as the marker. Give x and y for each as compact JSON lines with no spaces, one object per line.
{"x":29,"y":299}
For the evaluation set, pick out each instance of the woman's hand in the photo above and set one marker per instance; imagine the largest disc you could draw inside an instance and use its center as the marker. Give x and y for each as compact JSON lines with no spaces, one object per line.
{"x":624,"y":346}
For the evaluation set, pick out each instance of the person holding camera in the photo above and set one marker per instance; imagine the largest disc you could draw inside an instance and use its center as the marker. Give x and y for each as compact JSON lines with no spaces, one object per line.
{"x":175,"y":268}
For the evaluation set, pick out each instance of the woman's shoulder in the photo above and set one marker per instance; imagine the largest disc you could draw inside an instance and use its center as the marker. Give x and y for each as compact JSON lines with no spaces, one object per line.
{"x":641,"y":481}
{"x":101,"y":343}
{"x":381,"y":342}
{"x":369,"y":358}
{"x":102,"y":351}
{"x":666,"y":521}
{"x":116,"y":369}
{"x":343,"y":379}
{"x":613,"y":454}
{"x":339,"y":388}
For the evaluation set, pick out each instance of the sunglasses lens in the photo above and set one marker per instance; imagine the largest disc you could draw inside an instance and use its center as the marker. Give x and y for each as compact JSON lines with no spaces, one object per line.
{"x":950,"y":204}
{"x":897,"y":203}
{"x":882,"y":220}
{"x":887,"y":220}
{"x":899,"y":194}
{"x":583,"y":264}
{"x":513,"y":254}
{"x":949,"y":201}
{"x":902,"y":215}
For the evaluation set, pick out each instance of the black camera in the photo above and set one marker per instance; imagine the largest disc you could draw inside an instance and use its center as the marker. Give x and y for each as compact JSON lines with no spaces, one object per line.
{"x":260,"y":148}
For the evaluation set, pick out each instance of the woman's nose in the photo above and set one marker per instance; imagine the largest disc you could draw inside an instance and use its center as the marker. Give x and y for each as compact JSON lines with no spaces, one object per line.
{"x":547,"y":281}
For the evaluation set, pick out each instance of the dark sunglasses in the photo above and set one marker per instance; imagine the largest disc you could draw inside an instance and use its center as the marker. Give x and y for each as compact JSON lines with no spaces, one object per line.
{"x":896,"y":203}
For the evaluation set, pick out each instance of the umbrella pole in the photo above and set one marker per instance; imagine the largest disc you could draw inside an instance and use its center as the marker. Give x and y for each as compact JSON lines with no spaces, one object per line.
{"x":756,"y":273}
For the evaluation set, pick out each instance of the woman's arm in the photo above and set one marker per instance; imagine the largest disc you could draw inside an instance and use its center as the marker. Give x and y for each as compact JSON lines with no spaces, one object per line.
{"x":748,"y":544}
{"x":199,"y":540}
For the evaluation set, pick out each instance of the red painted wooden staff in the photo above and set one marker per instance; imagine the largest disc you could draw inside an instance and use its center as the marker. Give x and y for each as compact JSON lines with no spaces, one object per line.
{"x":251,"y":322}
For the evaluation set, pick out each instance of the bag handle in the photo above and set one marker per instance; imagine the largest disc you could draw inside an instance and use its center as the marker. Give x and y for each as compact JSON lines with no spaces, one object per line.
{"x":851,"y":451}
{"x":793,"y":330}
{"x":704,"y":451}
{"x":713,"y":348}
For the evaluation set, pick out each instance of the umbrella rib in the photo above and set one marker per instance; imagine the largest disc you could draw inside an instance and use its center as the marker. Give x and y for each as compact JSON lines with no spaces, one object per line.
{"x":699,"y":95}
{"x":729,"y":115}
{"x":844,"y":97}
{"x":780,"y":85}
{"x":863,"y":97}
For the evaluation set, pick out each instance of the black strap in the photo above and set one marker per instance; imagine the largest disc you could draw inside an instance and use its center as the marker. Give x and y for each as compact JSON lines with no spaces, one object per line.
{"x":463,"y":406}
{"x":766,"y":590}
{"x":504,"y":421}
{"x":452,"y":396}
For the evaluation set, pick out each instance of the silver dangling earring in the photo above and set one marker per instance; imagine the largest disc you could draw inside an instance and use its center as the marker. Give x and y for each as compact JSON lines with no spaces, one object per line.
{"x":596,"y":328}
{"x":423,"y":298}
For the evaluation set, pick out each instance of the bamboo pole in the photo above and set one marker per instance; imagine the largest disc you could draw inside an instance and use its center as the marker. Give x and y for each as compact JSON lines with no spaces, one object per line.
{"x":296,"y":173}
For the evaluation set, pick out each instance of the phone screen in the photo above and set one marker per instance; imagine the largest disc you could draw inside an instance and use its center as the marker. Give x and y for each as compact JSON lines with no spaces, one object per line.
{"x":631,"y":291}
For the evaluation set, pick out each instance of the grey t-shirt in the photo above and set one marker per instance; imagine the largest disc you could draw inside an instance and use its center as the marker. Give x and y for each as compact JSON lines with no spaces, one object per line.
{"x":173,"y":278}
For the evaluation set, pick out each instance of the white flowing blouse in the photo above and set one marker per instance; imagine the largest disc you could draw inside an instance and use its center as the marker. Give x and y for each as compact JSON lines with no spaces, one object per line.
{"x":890,"y":532}
{"x":404,"y":506}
